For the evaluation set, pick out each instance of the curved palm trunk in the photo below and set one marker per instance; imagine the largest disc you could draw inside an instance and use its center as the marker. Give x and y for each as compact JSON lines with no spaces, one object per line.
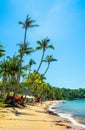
{"x":46,"y":69}
{"x":39,"y":65}
{"x":41,"y":61}
{"x":44,"y":72}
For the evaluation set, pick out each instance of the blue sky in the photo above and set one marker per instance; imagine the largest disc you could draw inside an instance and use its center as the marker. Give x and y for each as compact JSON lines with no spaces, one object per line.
{"x":63,"y":21}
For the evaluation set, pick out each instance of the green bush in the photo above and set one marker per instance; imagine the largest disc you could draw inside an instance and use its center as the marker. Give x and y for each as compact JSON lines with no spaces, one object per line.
{"x":2,"y":104}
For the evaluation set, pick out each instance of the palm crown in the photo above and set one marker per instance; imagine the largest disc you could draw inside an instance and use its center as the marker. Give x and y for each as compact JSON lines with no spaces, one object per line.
{"x":28,"y":23}
{"x":43,"y":45}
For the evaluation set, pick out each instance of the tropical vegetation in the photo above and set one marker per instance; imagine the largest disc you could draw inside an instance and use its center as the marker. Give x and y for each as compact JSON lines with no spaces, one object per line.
{"x":16,"y":78}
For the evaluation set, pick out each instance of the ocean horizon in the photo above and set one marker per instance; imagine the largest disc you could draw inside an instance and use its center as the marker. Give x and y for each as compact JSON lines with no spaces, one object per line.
{"x":72,"y":110}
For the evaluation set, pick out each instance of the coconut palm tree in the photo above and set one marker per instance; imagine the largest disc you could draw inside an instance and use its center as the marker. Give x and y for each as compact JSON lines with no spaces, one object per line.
{"x":27,"y":24}
{"x":27,"y":51}
{"x":4,"y":73}
{"x":13,"y":70}
{"x":43,"y":45}
{"x":23,"y":50}
{"x":31,"y":62}
{"x":48,"y":59}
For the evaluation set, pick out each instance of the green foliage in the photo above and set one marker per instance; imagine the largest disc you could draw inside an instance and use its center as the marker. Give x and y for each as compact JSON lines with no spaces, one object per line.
{"x":38,"y":85}
{"x":70,"y":94}
{"x":28,"y":23}
{"x":2,"y":104}
{"x":12,"y":70}
{"x":2,"y":51}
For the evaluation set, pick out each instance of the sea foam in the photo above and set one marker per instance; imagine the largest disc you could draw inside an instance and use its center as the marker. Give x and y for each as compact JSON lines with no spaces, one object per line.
{"x":65,"y":115}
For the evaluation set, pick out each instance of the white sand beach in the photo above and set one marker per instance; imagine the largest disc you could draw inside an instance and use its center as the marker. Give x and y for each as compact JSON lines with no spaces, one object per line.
{"x":35,"y":117}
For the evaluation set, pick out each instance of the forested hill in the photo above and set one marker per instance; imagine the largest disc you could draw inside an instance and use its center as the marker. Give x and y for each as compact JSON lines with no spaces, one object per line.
{"x":70,"y":94}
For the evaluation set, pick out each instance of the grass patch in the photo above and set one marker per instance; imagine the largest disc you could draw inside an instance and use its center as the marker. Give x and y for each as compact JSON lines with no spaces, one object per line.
{"x":2,"y":104}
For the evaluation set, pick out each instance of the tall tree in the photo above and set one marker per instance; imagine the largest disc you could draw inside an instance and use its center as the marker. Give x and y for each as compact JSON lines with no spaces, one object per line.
{"x":43,"y":45}
{"x":4,"y":73}
{"x":13,"y":70}
{"x":25,"y":25}
{"x":48,"y":59}
{"x":27,"y":51}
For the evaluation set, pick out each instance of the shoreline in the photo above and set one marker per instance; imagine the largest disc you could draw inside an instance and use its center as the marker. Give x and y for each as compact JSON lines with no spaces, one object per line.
{"x":66,"y":115}
{"x":36,"y":117}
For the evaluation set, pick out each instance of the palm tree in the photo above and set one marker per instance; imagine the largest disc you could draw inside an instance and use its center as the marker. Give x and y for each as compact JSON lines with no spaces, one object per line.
{"x":27,"y":51}
{"x":43,"y":45}
{"x":31,"y":62}
{"x":48,"y":59}
{"x":13,"y":70}
{"x":24,"y":50}
{"x":24,"y":72}
{"x":2,"y":52}
{"x":4,"y":73}
{"x":27,"y":24}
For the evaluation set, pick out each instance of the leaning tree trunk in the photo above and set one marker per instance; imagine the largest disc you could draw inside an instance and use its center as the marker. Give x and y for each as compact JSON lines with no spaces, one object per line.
{"x":46,"y":69}
{"x":43,"y":74}
{"x":39,"y":65}
{"x":41,"y":61}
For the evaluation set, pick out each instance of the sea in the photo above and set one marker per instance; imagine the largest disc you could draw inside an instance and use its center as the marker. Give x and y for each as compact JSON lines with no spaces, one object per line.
{"x":72,"y":110}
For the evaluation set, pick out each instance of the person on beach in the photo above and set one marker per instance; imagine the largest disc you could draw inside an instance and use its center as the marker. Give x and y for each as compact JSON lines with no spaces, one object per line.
{"x":38,"y":99}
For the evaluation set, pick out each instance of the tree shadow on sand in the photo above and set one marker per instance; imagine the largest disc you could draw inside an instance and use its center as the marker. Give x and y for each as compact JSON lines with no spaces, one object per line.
{"x":32,"y":120}
{"x":17,"y":113}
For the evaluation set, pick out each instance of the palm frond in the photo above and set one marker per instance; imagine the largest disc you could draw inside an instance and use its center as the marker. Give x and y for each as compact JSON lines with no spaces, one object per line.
{"x":28,"y":23}
{"x":31,"y":62}
{"x":44,"y":60}
{"x":50,"y":58}
{"x":51,"y":46}
{"x":39,"y":43}
{"x":38,"y":48}
{"x":20,"y":23}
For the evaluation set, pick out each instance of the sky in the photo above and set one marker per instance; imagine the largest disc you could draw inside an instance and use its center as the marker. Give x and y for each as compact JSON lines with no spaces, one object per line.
{"x":63,"y":22}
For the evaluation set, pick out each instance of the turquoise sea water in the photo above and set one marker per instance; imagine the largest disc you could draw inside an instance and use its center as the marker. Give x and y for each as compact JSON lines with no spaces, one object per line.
{"x":72,"y":110}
